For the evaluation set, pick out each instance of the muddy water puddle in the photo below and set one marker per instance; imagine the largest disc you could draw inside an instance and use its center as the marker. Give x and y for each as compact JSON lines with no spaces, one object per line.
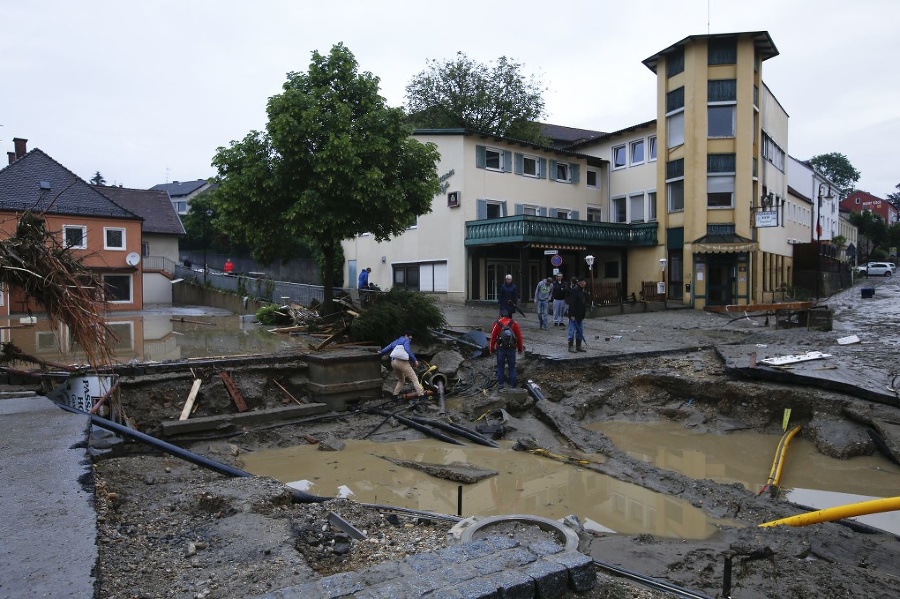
{"x":808,"y":477}
{"x":525,"y":484}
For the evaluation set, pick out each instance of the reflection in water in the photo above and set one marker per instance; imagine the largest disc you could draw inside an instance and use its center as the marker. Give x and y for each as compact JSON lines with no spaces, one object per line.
{"x":152,"y":337}
{"x":809,"y":477}
{"x":526,"y":484}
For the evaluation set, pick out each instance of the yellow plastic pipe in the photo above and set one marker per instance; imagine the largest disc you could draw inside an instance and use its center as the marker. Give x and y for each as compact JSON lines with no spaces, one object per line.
{"x":778,"y":462}
{"x":873,"y":506}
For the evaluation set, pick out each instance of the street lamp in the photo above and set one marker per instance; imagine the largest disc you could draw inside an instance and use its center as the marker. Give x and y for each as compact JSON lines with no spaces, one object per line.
{"x":829,"y":197}
{"x":209,"y":214}
{"x":662,"y":265}
{"x":590,"y":262}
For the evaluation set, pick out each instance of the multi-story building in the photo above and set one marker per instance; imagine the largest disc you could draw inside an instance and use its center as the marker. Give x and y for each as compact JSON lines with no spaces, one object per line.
{"x":697,"y":197}
{"x":861,"y":201}
{"x":182,"y":192}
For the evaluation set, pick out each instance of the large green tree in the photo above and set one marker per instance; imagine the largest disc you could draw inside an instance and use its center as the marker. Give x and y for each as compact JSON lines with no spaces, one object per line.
{"x":463,"y":93}
{"x":894,"y":198}
{"x":838,"y":169}
{"x":334,"y":162}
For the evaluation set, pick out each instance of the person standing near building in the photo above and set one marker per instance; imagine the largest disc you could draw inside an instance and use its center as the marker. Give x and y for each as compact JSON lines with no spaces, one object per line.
{"x":403,"y":366}
{"x":577,"y":311}
{"x":228,"y":268}
{"x":508,"y":296}
{"x":542,"y":294}
{"x":559,"y":293}
{"x":362,"y":284}
{"x":506,"y":340}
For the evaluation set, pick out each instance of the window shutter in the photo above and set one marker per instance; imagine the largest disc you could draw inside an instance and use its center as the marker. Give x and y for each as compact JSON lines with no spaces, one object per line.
{"x":543,"y":168}
{"x":480,"y":159}
{"x":542,"y":211}
{"x":503,"y":208}
{"x":675,"y":99}
{"x":721,"y":90}
{"x":520,"y":209}
{"x":507,"y":161}
{"x":519,"y":163}
{"x":553,"y":213}
{"x":576,"y":173}
{"x":480,"y":209}
{"x":552,"y":169}
{"x":574,"y":215}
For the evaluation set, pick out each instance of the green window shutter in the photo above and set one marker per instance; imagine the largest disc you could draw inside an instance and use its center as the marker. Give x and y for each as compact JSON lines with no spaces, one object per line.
{"x":507,"y":161}
{"x":520,"y":209}
{"x":543,"y":167}
{"x":480,"y":159}
{"x":519,"y":163}
{"x":576,"y":173}
{"x":480,"y":209}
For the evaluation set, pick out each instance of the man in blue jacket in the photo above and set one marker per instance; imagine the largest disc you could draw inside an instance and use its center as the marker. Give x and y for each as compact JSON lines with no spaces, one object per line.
{"x":508,"y":296}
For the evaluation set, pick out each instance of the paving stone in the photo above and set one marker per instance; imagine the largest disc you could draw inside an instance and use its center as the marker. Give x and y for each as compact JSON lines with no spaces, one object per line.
{"x":581,"y":568}
{"x":478,"y":588}
{"x":514,"y":584}
{"x":424,"y":562}
{"x":455,"y":554}
{"x":550,"y":579}
{"x":340,"y":585}
{"x":500,"y":543}
{"x":479,"y":548}
{"x":545,"y":547}
{"x":487,"y":565}
{"x":518,"y":556}
{"x":380,"y":573}
{"x":310,"y":590}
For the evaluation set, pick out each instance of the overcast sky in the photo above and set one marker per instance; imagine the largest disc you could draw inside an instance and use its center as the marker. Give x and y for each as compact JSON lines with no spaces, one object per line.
{"x":145,"y":91}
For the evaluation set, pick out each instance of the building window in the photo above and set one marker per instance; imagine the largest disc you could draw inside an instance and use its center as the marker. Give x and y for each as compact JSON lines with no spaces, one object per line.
{"x":563,"y":214}
{"x":528,"y":210}
{"x":674,"y":62}
{"x":637,"y":152}
{"x":433,"y":277}
{"x":593,"y":214}
{"x":651,"y":200}
{"x":675,"y":185}
{"x":723,"y":51}
{"x":720,"y":121}
{"x":619,"y":158}
{"x":619,"y":214}
{"x":75,"y":237}
{"x":637,"y":208}
{"x":562,"y":172}
{"x":113,"y":238}
{"x":180,"y":206}
{"x":675,"y":129}
{"x":675,"y":100}
{"x":610,"y":270}
{"x":493,"y":159}
{"x":720,"y":180}
{"x":489,"y":209}
{"x":651,"y":148}
{"x":530,"y":166}
{"x":117,"y":288}
{"x":592,"y":178}
{"x":772,"y":153}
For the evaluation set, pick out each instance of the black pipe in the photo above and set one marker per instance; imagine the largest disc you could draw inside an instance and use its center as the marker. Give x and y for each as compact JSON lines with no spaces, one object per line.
{"x":457,"y":429}
{"x":299,"y":496}
{"x":535,"y":391}
{"x":419,"y":427}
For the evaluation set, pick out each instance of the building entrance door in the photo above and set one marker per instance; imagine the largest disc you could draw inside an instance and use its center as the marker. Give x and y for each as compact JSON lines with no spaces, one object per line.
{"x":720,"y":282}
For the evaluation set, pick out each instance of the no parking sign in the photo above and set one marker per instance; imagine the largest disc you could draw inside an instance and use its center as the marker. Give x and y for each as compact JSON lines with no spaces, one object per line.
{"x":556,"y":260}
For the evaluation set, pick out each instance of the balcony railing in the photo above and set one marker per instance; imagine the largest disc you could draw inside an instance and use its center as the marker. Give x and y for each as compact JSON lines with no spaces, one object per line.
{"x":540,"y":229}
{"x":159,"y":263}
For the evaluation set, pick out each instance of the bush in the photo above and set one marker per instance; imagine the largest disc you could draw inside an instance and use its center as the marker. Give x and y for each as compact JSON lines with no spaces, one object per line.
{"x":270,"y":315}
{"x":397,"y":311}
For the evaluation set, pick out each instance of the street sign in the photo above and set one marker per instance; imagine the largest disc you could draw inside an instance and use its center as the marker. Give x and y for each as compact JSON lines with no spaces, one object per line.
{"x":550,"y":252}
{"x":556,"y":260}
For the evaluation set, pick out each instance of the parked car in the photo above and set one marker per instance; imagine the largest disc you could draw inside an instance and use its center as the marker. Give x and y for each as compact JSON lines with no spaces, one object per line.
{"x":876,"y":269}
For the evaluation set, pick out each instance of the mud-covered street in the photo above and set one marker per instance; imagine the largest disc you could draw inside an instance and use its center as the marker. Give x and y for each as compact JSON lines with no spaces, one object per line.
{"x":168,"y":528}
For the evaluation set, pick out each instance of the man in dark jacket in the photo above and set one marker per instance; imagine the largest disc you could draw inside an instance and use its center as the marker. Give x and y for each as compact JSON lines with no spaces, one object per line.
{"x":577,"y":311}
{"x":508,"y":296}
{"x":559,"y":293}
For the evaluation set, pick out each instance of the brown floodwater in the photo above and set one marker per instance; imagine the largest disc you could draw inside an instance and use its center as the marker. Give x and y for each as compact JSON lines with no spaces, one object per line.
{"x":808,"y":477}
{"x":525,"y":484}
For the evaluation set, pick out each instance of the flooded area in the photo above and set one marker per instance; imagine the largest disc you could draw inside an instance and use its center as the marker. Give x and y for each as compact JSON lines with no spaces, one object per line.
{"x":808,"y":478}
{"x":525,"y":484}
{"x":154,"y":336}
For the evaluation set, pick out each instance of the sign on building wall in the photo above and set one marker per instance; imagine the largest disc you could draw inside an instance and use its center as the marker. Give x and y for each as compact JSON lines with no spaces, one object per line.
{"x":766,"y":218}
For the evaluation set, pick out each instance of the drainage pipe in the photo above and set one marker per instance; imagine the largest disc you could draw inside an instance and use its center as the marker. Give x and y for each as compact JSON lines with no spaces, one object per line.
{"x":535,"y":391}
{"x":648,"y":582}
{"x":778,"y":462}
{"x":459,"y":430}
{"x":873,"y":506}
{"x":419,"y":427}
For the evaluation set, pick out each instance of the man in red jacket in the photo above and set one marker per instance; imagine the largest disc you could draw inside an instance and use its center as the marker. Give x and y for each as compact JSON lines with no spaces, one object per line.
{"x":506,"y":340}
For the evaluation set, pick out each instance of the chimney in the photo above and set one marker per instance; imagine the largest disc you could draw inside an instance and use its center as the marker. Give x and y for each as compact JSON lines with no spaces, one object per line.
{"x":20,"y":146}
{"x":11,"y":156}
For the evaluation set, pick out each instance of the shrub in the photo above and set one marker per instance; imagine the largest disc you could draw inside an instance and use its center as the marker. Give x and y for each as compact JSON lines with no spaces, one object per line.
{"x":271,"y":315}
{"x":396,"y":311}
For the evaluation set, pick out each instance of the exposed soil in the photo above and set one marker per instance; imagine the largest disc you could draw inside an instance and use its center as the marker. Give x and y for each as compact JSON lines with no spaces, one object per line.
{"x":168,"y":528}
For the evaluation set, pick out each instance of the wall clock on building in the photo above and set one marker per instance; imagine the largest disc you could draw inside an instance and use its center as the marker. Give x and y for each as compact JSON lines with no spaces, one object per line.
{"x":133,"y":259}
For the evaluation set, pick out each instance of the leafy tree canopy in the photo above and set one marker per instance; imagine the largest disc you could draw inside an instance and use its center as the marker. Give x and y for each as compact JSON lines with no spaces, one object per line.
{"x":894,"y":198}
{"x":463,"y":93}
{"x":334,"y":162}
{"x":838,"y":169}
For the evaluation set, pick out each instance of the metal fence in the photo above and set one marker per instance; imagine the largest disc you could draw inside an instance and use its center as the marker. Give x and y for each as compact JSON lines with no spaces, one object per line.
{"x":259,"y":287}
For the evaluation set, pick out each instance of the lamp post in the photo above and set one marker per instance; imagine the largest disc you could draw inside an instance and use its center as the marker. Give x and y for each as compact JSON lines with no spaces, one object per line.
{"x":209,"y":214}
{"x":829,"y":197}
{"x":590,"y":262}
{"x":662,"y":265}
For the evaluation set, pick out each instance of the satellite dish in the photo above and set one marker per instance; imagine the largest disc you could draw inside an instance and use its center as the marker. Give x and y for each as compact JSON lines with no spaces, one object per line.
{"x":133,"y":259}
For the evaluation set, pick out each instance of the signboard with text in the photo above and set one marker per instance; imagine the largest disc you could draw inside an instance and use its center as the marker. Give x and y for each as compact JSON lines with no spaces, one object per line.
{"x":766,"y":218}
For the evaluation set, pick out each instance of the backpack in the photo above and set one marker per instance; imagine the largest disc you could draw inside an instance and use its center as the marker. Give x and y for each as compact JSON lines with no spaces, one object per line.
{"x":507,"y":336}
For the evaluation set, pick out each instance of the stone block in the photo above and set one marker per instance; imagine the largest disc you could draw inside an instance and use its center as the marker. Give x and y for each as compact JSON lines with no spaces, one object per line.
{"x":582,"y":572}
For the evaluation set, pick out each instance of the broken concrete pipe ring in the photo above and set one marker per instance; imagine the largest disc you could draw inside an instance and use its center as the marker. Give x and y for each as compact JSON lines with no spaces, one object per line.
{"x":435,"y":379}
{"x":467,"y":529}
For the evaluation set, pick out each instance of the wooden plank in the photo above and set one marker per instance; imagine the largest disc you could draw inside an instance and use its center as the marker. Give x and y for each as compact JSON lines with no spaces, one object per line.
{"x":192,"y":397}
{"x":234,"y":392}
{"x":332,"y":338}
{"x":286,"y":392}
